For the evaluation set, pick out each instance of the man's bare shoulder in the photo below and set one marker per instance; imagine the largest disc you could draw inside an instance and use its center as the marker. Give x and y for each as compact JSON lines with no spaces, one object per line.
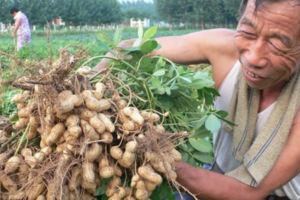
{"x":222,"y":40}
{"x":197,"y":47}
{"x":214,"y":44}
{"x":223,"y":53}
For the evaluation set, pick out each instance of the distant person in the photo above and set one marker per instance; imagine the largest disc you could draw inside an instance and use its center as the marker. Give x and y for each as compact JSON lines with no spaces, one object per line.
{"x":21,"y":30}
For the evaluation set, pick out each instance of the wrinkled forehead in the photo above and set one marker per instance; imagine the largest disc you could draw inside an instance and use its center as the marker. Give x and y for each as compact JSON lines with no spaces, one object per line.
{"x":285,"y":5}
{"x":287,"y":12}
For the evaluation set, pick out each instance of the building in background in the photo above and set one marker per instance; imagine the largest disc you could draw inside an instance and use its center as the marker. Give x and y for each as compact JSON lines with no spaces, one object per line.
{"x":135,"y":23}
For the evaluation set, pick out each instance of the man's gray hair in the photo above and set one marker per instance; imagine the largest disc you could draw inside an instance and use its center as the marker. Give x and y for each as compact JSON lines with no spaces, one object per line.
{"x":258,"y":3}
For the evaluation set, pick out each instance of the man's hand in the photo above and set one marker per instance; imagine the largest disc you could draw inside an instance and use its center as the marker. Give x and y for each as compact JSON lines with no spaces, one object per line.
{"x":211,"y":185}
{"x":104,"y":63}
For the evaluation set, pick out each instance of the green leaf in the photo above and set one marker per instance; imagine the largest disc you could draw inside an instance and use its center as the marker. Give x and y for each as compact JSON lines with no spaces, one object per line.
{"x":102,"y":189}
{"x":222,"y":114}
{"x":202,"y":132}
{"x":161,"y":90}
{"x":105,"y":38}
{"x":212,"y":123}
{"x":192,"y":161}
{"x":198,"y":123}
{"x":209,"y":94}
{"x":194,"y":94}
{"x":201,"y":80}
{"x":163,"y":192}
{"x":149,"y":46}
{"x":199,"y":84}
{"x":203,"y":157}
{"x":184,"y":147}
{"x":140,"y":31}
{"x":117,"y":36}
{"x":185,"y":156}
{"x":155,"y":83}
{"x":166,"y":101}
{"x":131,"y":49}
{"x":160,"y":72}
{"x":185,"y":79}
{"x":168,"y":90}
{"x":150,"y":33}
{"x":201,"y":145}
{"x":202,"y":75}
{"x":160,"y":63}
{"x":147,"y":65}
{"x":190,"y":148}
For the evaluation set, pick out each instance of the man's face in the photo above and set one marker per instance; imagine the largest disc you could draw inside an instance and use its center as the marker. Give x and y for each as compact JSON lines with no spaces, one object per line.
{"x":13,"y":14}
{"x":268,"y":41}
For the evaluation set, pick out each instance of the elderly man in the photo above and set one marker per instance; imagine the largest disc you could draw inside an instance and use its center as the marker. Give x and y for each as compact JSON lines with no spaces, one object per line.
{"x":21,"y":28}
{"x":256,"y":69}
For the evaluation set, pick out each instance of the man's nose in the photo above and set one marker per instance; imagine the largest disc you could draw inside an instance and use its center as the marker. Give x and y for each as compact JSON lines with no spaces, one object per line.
{"x":256,"y":56}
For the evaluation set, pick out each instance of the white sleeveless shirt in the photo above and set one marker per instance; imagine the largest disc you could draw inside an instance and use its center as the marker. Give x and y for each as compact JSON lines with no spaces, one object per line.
{"x":223,"y":140}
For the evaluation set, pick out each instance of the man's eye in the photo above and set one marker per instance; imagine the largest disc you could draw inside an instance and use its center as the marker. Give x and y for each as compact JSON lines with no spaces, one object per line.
{"x":277,"y":47}
{"x":246,"y":34}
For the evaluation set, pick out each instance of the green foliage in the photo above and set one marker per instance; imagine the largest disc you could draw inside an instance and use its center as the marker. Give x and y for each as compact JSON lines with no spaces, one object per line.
{"x":4,"y":10}
{"x":198,"y":13}
{"x":138,"y":9}
{"x":212,"y":123}
{"x":7,"y":107}
{"x":185,"y":94}
{"x":73,"y":12}
{"x":109,"y":40}
{"x":100,"y":192}
{"x":163,"y":192}
{"x":193,"y":13}
{"x":201,"y":145}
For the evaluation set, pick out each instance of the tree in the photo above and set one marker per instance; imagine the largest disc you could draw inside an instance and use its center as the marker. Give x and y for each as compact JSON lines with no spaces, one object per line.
{"x":231,"y":10}
{"x":5,"y":6}
{"x":76,"y":12}
{"x":198,"y":12}
{"x":169,"y":10}
{"x":138,"y":9}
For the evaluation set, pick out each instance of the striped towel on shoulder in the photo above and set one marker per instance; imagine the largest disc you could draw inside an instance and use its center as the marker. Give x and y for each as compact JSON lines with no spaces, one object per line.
{"x":259,"y":153}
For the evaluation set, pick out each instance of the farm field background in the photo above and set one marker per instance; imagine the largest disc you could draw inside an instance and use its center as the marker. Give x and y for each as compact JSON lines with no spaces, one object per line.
{"x":45,"y":45}
{"x":42,"y":41}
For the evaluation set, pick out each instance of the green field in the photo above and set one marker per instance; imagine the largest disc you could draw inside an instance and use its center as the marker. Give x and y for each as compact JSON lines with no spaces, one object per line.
{"x":44,"y":43}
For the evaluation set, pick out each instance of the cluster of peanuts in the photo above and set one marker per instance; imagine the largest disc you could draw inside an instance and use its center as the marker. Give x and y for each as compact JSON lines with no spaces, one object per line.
{"x":93,"y":135}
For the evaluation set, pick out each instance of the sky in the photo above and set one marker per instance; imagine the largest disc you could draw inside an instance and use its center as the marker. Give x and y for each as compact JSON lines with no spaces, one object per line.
{"x":148,"y":1}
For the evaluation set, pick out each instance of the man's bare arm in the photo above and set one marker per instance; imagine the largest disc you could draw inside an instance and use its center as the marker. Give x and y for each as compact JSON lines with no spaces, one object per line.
{"x":213,"y":186}
{"x":197,"y":47}
{"x":215,"y":46}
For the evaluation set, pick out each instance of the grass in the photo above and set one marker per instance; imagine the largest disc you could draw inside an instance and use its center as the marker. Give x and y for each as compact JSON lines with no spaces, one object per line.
{"x":44,"y":44}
